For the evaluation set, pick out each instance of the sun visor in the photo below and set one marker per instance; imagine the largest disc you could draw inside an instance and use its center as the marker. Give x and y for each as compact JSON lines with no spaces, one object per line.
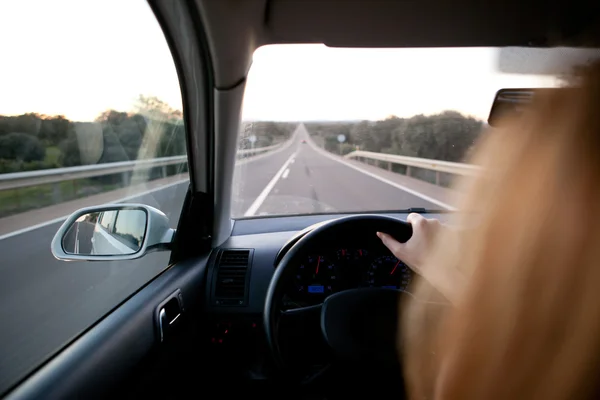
{"x":544,"y":61}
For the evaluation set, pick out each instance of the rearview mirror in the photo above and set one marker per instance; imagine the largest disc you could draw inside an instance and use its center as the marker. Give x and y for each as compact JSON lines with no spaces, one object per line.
{"x":511,"y":103}
{"x":112,"y":232}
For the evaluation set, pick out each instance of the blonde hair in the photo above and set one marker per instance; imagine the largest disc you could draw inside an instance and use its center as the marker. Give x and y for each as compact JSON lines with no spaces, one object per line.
{"x":526,"y":321}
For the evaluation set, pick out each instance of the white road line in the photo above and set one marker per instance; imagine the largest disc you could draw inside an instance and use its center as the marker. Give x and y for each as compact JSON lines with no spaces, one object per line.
{"x":384,"y":180}
{"x":285,"y":173}
{"x":133,"y":196}
{"x":60,"y":219}
{"x":263,"y":195}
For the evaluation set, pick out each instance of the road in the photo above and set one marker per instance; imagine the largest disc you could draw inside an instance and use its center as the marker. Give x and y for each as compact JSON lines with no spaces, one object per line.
{"x":78,"y":239}
{"x":46,"y":302}
{"x":304,"y":179}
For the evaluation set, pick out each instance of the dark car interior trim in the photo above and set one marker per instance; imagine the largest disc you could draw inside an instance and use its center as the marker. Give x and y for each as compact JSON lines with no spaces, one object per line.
{"x":194,"y":69}
{"x":98,"y":360}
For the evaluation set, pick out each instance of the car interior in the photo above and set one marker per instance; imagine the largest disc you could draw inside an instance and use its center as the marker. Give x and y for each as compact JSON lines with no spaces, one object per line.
{"x":236,"y":312}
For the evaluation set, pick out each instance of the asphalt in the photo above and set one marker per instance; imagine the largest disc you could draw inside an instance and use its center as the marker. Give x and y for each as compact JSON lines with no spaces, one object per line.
{"x":318,"y":182}
{"x":46,"y":302}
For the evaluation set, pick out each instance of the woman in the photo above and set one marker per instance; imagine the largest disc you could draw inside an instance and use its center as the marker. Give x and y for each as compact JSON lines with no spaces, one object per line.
{"x":510,"y":308}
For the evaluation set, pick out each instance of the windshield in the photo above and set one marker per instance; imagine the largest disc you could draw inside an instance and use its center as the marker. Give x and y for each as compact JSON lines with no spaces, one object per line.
{"x":330,"y":130}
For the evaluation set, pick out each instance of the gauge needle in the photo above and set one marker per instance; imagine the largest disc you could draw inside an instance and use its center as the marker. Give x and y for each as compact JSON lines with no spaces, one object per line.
{"x":395,"y":266}
{"x":318,"y":262}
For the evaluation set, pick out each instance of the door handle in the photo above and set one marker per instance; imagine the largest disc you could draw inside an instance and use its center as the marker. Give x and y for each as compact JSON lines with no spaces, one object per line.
{"x":169,"y":314}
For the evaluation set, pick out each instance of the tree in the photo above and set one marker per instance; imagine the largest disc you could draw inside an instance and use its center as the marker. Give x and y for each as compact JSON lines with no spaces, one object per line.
{"x":69,"y":148}
{"x":445,"y":136}
{"x":53,"y":130}
{"x":151,"y":129}
{"x":20,"y":147}
{"x":113,"y":148}
{"x":154,"y":108}
{"x":267,"y":133}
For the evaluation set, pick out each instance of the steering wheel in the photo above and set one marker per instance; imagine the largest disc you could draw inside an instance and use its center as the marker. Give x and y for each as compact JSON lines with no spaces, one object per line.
{"x":349,"y":327}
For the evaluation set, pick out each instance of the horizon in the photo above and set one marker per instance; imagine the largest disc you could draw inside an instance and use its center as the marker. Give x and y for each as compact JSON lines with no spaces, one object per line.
{"x":46,"y":116}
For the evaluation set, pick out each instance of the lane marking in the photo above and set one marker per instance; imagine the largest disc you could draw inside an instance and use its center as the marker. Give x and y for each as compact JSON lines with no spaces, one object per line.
{"x":263,"y":195}
{"x":384,"y":180}
{"x":59,"y":219}
{"x":133,"y":196}
{"x":285,"y":173}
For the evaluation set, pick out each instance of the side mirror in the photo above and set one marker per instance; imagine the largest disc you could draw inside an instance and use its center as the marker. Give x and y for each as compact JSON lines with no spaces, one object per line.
{"x":112,"y":232}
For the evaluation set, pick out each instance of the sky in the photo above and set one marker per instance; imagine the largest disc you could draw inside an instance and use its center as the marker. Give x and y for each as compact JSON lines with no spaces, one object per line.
{"x":78,"y":58}
{"x":297,"y":82}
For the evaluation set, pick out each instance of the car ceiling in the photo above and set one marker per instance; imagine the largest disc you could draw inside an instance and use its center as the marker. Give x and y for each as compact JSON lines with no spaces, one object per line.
{"x":236,"y":28}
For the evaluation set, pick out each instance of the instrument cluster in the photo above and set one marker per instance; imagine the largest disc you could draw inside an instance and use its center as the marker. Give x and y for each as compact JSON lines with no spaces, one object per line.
{"x":320,"y":275}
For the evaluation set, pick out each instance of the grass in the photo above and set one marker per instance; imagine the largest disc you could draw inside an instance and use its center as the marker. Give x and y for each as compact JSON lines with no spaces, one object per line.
{"x":53,"y":154}
{"x":15,"y":201}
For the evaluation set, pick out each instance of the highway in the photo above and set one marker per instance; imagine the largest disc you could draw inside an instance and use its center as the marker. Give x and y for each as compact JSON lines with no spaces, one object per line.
{"x":304,"y":179}
{"x":46,"y":302}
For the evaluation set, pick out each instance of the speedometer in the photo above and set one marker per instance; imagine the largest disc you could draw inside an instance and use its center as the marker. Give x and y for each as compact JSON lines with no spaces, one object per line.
{"x":317,"y":275}
{"x":389,"y":272}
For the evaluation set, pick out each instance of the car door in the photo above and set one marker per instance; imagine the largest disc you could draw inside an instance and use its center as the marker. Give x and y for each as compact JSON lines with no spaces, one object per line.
{"x":96,"y":109}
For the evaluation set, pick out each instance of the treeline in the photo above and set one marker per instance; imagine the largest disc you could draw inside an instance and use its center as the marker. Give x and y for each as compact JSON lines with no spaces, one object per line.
{"x":267,"y":133}
{"x":33,"y":141}
{"x":446,"y":136}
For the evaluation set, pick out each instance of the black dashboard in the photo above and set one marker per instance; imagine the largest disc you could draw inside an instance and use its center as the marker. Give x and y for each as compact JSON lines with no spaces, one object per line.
{"x":353,"y":259}
{"x":246,"y":262}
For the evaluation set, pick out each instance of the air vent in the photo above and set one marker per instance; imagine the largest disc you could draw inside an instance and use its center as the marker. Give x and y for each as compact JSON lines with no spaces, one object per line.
{"x":230,"y":283}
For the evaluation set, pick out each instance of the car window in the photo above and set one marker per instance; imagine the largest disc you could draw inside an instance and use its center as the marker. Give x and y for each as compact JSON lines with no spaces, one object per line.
{"x":108,"y":220}
{"x":90,"y":114}
{"x":130,"y":227}
{"x":333,"y":130}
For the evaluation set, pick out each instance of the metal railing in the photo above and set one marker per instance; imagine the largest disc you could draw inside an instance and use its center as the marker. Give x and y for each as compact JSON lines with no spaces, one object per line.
{"x":17,"y":180}
{"x":41,"y":177}
{"x":424,"y":163}
{"x":248,"y":152}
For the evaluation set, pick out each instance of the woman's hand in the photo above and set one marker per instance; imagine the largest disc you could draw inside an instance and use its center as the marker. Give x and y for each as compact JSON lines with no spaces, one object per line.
{"x":415,"y":253}
{"x":416,"y":249}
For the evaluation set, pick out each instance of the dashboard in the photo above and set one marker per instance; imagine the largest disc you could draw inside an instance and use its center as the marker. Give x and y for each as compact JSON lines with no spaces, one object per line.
{"x":332,"y":270}
{"x":233,"y":334}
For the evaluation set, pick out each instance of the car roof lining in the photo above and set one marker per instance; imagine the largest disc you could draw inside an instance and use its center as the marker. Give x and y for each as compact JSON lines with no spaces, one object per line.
{"x":236,"y":28}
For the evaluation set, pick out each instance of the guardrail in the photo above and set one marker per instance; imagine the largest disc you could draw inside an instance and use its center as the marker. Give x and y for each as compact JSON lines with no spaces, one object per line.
{"x":17,"y":180}
{"x":425,"y":163}
{"x":258,"y":150}
{"x":40,"y":177}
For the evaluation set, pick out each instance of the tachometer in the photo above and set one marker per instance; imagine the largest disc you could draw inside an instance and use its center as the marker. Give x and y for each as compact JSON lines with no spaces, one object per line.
{"x":317,"y":275}
{"x":389,"y":272}
{"x":360,"y":254}
{"x":344,"y":255}
{"x":351,"y":254}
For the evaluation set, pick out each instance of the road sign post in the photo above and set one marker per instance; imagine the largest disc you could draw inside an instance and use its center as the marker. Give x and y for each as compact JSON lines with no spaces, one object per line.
{"x":252,"y":140}
{"x":341,"y":139}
